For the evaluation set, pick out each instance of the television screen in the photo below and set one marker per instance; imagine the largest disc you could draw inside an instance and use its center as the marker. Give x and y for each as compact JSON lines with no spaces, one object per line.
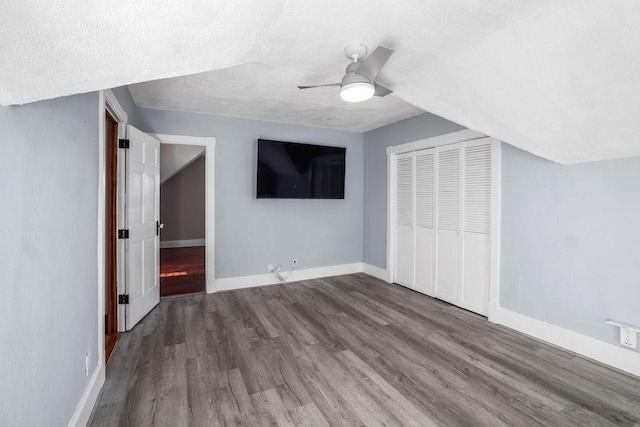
{"x":289,"y":170}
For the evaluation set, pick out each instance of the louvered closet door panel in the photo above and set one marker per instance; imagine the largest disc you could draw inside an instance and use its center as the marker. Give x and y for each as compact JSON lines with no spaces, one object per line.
{"x":448,"y":222}
{"x":424,"y":271}
{"x":477,"y":225}
{"x":477,"y":188}
{"x":404,"y":220}
{"x":425,"y":188}
{"x":477,"y":261}
{"x":449,"y":188}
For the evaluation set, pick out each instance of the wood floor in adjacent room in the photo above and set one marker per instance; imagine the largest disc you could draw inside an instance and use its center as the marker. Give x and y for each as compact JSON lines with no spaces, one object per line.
{"x":182,"y":270}
{"x":349,"y":350}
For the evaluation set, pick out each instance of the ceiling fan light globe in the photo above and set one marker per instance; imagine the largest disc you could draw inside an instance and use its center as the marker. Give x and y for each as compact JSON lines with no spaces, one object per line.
{"x":357,"y":92}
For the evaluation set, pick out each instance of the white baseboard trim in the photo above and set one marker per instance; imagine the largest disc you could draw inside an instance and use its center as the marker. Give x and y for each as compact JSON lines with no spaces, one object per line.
{"x":380,"y":273}
{"x":88,"y":400}
{"x":181,"y":243}
{"x":601,"y":351}
{"x":230,"y":283}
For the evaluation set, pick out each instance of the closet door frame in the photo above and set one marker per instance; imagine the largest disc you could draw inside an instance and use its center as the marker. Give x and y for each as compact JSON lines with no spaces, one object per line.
{"x":447,"y":139}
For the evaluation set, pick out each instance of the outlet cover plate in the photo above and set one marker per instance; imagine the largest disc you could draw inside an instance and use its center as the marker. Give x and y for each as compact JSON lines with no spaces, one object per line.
{"x":628,"y":337}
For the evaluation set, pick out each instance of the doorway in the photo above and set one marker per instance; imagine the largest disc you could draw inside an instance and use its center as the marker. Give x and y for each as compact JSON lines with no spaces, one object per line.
{"x":183,"y":213}
{"x":111,"y":231}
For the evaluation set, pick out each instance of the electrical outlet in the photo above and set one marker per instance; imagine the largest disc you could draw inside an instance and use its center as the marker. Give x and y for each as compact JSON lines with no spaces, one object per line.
{"x":270,"y":268}
{"x":87,"y":364}
{"x":628,"y":337}
{"x":294,"y":262}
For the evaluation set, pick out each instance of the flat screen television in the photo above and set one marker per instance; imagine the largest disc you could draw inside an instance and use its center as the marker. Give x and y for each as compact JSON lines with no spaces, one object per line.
{"x":288,"y":170}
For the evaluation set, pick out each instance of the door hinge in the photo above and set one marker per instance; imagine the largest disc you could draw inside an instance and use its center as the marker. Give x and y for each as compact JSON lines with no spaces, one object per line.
{"x":123,"y":299}
{"x":123,"y":143}
{"x":123,"y":234}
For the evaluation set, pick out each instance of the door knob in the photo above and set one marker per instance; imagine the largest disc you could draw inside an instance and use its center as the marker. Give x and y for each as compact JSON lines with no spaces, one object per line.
{"x":159,"y":226}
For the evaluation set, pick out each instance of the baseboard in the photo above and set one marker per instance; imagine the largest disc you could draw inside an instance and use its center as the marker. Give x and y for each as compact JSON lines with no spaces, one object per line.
{"x":88,"y":400}
{"x":601,"y":351}
{"x":230,"y":283}
{"x":380,"y":273}
{"x":181,"y":243}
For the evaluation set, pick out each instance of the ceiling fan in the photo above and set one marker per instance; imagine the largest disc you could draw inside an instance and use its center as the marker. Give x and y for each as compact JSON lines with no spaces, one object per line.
{"x":358,"y":83}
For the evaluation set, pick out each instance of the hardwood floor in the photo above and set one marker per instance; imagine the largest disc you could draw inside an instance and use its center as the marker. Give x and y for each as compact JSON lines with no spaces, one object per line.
{"x":182,"y":270}
{"x":348,"y":350}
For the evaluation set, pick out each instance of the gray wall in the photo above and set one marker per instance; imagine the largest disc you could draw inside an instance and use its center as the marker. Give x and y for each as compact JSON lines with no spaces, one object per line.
{"x":570,"y":242}
{"x":375,"y":175}
{"x":252,"y":233}
{"x":182,"y":203}
{"x":48,"y":257}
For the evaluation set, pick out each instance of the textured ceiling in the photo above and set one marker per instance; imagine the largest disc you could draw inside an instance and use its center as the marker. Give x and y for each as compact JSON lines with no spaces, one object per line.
{"x":558,"y":79}
{"x":266,"y":92}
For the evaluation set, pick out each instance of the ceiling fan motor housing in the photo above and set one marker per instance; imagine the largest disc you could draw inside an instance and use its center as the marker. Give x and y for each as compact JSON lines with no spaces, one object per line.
{"x":353,"y":77}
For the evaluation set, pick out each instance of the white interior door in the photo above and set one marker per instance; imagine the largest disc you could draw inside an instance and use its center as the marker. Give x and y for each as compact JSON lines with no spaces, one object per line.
{"x":143,"y":212}
{"x":477,"y":226}
{"x":424,"y":260}
{"x":448,"y":224}
{"x":404,"y":252}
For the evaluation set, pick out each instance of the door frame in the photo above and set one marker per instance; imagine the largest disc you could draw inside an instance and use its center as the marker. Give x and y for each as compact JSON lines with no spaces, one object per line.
{"x":111,"y":227}
{"x":447,"y":139}
{"x":209,"y":144}
{"x":107,"y":102}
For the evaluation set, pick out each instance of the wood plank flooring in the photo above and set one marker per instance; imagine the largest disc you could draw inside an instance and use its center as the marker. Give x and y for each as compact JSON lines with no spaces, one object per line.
{"x":182,"y":270}
{"x":348,"y":351}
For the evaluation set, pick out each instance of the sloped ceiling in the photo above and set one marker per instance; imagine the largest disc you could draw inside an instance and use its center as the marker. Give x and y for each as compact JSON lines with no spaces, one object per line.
{"x":174,"y":158}
{"x":558,"y":79}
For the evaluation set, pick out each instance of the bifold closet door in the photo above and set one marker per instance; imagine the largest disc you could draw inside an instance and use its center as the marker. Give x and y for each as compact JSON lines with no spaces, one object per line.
{"x":448,"y":223}
{"x":477,"y":226}
{"x":443,"y":222}
{"x":404,"y":252}
{"x":424,"y":259}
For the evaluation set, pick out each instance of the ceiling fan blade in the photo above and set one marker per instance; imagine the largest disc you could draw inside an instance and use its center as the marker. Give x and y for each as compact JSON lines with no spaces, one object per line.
{"x":311,"y":87}
{"x":372,"y":64}
{"x":381,"y":90}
